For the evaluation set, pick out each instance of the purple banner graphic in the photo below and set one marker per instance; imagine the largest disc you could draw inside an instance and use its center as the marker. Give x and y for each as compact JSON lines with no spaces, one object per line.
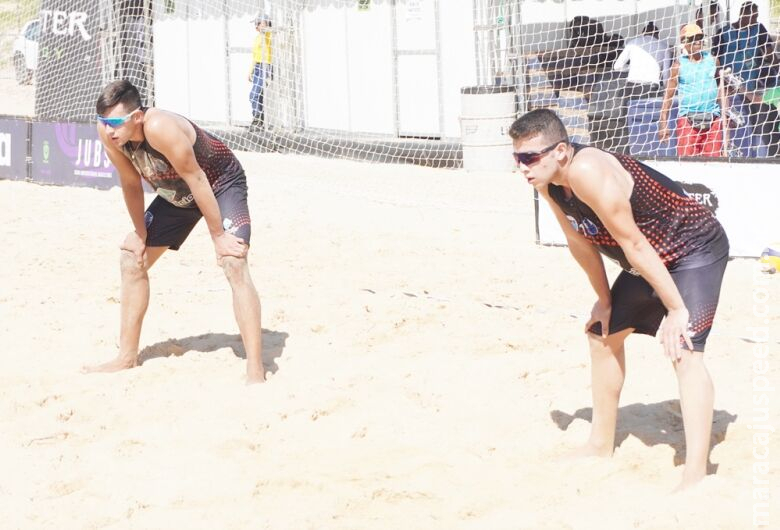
{"x":70,"y":154}
{"x":13,"y":149}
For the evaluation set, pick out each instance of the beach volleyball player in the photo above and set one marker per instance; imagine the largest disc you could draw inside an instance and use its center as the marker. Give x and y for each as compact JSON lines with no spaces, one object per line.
{"x":195,"y":175}
{"x":673,"y":253}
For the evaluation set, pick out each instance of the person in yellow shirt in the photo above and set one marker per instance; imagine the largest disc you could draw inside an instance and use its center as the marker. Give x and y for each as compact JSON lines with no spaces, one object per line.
{"x":261,"y":71}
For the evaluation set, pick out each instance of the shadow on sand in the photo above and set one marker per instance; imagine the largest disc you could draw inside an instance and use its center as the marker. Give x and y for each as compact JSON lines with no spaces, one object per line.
{"x":273,"y":346}
{"x":653,"y":424}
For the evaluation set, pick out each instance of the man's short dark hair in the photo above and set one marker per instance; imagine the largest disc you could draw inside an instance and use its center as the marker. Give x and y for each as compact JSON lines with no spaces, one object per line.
{"x":748,"y":7}
{"x":116,"y":92}
{"x":650,"y":29}
{"x":539,"y":122}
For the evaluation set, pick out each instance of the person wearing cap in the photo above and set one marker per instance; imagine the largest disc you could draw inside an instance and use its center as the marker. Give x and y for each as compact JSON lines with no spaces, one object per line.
{"x":693,"y":79}
{"x":261,"y":71}
{"x":647,"y":60}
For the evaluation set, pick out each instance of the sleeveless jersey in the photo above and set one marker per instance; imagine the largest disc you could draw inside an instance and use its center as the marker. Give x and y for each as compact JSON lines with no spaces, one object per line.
{"x":220,"y":165}
{"x":684,"y":234}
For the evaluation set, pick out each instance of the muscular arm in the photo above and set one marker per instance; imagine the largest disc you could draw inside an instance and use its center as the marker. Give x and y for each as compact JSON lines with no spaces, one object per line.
{"x":595,"y":183}
{"x":167,"y":136}
{"x":586,"y":255}
{"x":130,"y":180}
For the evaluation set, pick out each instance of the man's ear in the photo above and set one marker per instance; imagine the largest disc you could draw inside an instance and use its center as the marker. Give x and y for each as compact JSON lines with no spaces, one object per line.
{"x":560,"y":151}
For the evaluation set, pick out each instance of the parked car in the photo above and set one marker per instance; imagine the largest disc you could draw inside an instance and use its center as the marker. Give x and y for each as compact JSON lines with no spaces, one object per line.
{"x":26,"y":52}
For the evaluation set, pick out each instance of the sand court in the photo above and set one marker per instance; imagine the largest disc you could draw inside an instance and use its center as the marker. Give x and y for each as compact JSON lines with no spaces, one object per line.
{"x":429,"y":369}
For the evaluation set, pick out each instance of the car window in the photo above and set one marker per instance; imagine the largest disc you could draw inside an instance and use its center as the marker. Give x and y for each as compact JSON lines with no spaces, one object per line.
{"x":31,"y":33}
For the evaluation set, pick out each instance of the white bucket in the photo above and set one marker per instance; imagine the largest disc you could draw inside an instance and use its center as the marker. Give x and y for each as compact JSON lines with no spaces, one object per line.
{"x":487,"y":112}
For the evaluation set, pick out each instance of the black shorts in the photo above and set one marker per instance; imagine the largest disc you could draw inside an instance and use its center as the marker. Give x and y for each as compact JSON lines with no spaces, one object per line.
{"x":168,"y":225}
{"x":636,"y":305}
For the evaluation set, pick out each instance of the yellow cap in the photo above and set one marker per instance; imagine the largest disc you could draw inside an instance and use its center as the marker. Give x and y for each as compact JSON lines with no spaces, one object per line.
{"x":690,"y":30}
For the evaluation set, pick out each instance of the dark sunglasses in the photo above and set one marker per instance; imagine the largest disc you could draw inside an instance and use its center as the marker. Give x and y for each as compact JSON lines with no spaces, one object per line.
{"x":533,"y":157}
{"x":116,"y":122}
{"x":694,"y":38}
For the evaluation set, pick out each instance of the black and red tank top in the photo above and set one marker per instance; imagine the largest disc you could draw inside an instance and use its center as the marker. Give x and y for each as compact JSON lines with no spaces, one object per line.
{"x":684,"y":234}
{"x":221,"y":166}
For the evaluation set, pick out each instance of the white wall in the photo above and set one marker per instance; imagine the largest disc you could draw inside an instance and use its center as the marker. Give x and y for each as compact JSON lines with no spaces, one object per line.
{"x":189,"y":63}
{"x":458,"y":59}
{"x":349,"y":74}
{"x":347,"y":69}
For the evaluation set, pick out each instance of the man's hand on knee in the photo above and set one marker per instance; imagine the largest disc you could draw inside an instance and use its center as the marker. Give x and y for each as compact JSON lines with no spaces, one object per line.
{"x":227,"y":245}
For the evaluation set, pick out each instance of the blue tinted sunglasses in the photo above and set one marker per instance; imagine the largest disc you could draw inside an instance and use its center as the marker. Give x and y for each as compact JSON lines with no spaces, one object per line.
{"x":116,"y":122}
{"x":533,"y":157}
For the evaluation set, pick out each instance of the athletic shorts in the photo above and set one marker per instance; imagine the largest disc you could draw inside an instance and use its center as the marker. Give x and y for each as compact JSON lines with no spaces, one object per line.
{"x":168,"y":225}
{"x":636,"y":305}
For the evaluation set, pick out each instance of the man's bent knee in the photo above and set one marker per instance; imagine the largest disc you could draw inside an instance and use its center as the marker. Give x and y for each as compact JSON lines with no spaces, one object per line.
{"x":234,"y":268}
{"x":128,"y":264}
{"x":690,"y":360}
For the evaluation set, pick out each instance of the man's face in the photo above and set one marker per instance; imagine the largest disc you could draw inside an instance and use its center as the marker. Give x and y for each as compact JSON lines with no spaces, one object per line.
{"x":539,"y":159}
{"x":694,"y":43}
{"x":120,"y":134}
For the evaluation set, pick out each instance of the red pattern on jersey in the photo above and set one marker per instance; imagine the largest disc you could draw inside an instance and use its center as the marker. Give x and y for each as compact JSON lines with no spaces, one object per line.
{"x":677,"y":227}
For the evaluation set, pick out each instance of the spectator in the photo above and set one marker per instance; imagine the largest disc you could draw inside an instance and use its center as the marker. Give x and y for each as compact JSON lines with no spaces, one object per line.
{"x":712,"y":26}
{"x":262,"y":69}
{"x":699,"y":131}
{"x":590,"y":50}
{"x":742,"y":45}
{"x":764,"y":105}
{"x":648,"y":61}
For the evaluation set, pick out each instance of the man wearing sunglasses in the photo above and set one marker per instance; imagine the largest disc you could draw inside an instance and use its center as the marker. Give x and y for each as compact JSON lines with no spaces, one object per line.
{"x":195,"y":175}
{"x":673,"y":253}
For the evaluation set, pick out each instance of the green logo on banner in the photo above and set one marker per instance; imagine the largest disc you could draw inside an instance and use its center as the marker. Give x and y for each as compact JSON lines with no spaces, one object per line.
{"x":500,"y":20}
{"x":363,"y":5}
{"x":45,"y":151}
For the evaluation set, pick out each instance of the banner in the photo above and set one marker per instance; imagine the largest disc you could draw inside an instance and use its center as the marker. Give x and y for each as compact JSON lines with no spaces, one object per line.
{"x":13,"y":149}
{"x":68,"y":59}
{"x":742,"y":196}
{"x":70,"y":154}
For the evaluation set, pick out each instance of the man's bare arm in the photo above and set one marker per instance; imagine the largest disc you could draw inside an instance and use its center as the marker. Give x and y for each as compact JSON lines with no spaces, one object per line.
{"x":595,"y":183}
{"x":165,"y":135}
{"x":586,"y":255}
{"x":130,"y":180}
{"x":589,"y":259}
{"x":671,"y":89}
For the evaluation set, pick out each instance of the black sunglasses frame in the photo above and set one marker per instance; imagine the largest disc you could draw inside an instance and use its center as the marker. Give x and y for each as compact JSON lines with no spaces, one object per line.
{"x":533,"y":157}
{"x":695,"y":38}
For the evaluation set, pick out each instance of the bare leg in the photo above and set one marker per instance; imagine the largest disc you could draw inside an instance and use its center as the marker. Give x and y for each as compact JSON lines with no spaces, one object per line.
{"x":134,"y":299}
{"x":246,"y":306}
{"x":696,"y":401}
{"x":608,"y":371}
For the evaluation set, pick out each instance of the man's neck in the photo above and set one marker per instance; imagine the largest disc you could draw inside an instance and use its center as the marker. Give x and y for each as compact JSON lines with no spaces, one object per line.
{"x":138,"y":135}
